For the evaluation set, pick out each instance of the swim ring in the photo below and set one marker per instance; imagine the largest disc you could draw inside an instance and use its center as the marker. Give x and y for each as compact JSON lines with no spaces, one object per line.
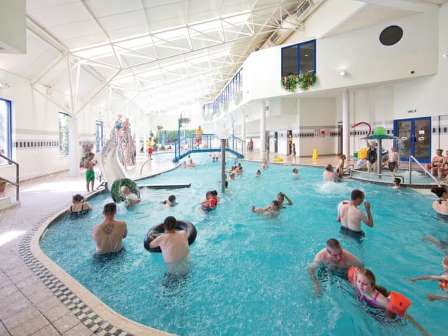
{"x":158,"y":230}
{"x":116,"y":187}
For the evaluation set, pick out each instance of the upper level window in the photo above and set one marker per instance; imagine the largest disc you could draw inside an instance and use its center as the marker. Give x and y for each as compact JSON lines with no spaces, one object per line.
{"x":299,"y":58}
{"x":5,"y":129}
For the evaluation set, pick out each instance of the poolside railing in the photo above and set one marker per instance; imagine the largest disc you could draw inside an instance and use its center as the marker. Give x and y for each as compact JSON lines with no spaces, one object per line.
{"x":426,"y":171}
{"x":17,"y":183}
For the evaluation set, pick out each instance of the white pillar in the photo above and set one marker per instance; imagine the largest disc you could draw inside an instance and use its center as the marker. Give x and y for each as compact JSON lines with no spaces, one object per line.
{"x":264,"y":108}
{"x":243,"y":131}
{"x":73,"y":147}
{"x":345,"y":123}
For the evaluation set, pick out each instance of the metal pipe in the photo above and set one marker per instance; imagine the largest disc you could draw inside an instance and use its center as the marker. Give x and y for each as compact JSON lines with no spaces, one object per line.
{"x":223,"y":165}
{"x":410,"y":170}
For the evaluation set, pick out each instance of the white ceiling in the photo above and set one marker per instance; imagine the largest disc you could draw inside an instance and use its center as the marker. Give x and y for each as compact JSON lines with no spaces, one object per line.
{"x":161,"y":54}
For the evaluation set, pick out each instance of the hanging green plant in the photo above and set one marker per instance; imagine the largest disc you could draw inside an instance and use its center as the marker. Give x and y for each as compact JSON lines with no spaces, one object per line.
{"x":304,"y":81}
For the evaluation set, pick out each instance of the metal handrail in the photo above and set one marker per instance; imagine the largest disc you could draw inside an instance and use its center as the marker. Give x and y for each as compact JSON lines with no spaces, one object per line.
{"x":423,"y":168}
{"x":17,"y":184}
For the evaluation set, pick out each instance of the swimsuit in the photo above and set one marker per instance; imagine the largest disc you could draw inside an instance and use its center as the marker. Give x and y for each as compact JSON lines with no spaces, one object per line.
{"x":90,"y":175}
{"x":351,"y":233}
{"x":370,"y":302}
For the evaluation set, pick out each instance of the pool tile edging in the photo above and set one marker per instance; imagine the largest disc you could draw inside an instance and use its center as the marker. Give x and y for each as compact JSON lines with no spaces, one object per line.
{"x":99,"y":318}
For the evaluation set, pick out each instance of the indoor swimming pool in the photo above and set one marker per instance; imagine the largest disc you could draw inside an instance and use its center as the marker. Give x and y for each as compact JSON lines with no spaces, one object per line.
{"x":248,"y":272}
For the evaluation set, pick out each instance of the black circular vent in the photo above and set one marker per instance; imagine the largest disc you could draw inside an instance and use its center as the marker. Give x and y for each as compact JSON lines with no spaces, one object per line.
{"x":391,"y":35}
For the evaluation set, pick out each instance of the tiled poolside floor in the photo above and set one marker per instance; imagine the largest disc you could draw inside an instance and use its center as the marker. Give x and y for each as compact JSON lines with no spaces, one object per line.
{"x":27,"y":306}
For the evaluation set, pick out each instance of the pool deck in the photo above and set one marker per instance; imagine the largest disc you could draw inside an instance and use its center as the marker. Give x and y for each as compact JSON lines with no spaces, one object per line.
{"x":32,"y":300}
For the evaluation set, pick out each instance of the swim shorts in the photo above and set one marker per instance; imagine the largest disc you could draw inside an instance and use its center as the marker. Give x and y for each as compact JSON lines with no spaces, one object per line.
{"x":90,"y":175}
{"x":351,"y":233}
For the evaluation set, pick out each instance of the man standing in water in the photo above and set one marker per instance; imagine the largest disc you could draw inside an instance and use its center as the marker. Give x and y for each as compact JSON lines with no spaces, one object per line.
{"x":110,"y":233}
{"x":351,"y":217}
{"x":335,"y":258}
{"x":174,"y":246}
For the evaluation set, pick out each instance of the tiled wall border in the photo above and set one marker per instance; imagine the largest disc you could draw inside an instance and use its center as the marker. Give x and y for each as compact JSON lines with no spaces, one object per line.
{"x":91,"y":311}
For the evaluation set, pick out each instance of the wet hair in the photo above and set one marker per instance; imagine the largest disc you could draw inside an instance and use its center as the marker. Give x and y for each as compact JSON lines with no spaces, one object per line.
{"x":214,"y":193}
{"x":295,"y":170}
{"x":280,"y":194}
{"x":78,"y":198}
{"x":169,"y":223}
{"x":276,"y":203}
{"x":258,"y":171}
{"x":439,"y":150}
{"x":397,"y":180}
{"x":207,"y":194}
{"x":333,"y":243}
{"x":110,"y":209}
{"x":172,"y":198}
{"x":369,"y":275}
{"x":329,"y":168}
{"x":357,"y":194}
{"x":438,"y":191}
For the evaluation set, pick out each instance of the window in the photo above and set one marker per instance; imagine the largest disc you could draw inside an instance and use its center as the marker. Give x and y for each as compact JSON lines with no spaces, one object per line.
{"x":63,"y":133}
{"x":5,"y":129}
{"x":299,"y":58}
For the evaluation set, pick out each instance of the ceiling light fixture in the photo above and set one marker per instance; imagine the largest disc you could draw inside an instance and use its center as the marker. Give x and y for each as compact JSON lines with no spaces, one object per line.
{"x":343,"y":73}
{"x":445,"y":55}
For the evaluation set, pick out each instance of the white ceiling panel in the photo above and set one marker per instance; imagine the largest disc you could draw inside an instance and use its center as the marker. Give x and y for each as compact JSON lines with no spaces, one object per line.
{"x":103,"y":8}
{"x":62,"y":14}
{"x":167,"y":16}
{"x":124,"y":25}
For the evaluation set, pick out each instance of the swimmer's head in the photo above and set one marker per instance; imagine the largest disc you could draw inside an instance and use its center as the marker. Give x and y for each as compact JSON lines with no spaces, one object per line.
{"x":214,"y":193}
{"x":171,"y":198}
{"x":357,"y":196}
{"x":439,"y":152}
{"x":110,"y":209}
{"x":334,"y":250}
{"x":208,"y":194}
{"x":329,"y":168}
{"x":397,"y":181}
{"x":280,"y":197}
{"x":295,"y":171}
{"x":275,"y":205}
{"x":78,"y":198}
{"x":258,"y":172}
{"x":365,"y":280}
{"x":91,"y":155}
{"x":169,"y":224}
{"x":125,"y":190}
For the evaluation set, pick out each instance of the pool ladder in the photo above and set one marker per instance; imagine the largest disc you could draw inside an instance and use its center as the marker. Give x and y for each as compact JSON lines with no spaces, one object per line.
{"x":426,"y":171}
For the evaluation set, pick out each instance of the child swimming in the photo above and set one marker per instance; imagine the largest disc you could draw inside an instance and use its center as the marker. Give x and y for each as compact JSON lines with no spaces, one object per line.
{"x":397,"y":183}
{"x":211,"y":201}
{"x":295,"y":172}
{"x":270,"y":210}
{"x":368,"y":292}
{"x":130,"y":198}
{"x":171,"y":201}
{"x":258,"y":173}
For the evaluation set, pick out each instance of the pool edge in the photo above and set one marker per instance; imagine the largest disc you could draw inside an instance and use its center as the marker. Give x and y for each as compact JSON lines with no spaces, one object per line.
{"x":83,"y":304}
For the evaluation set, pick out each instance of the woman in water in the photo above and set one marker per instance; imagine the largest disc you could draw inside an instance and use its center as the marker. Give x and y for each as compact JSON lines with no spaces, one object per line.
{"x":270,"y":210}
{"x":441,"y":205}
{"x":368,"y":292}
{"x":281,"y":198}
{"x":442,"y":279}
{"x":79,"y":206}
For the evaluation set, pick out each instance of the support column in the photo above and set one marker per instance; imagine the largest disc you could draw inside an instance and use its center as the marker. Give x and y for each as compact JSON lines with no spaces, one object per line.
{"x":223,"y":165}
{"x":345,"y":123}
{"x":264,"y":108}
{"x":243,"y":132}
{"x":73,"y":147}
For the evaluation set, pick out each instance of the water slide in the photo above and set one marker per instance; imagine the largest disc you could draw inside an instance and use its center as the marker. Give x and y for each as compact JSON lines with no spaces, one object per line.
{"x":110,"y":165}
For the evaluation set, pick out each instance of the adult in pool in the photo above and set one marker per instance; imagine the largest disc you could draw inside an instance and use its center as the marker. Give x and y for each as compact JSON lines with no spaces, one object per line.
{"x":442,"y":279}
{"x":110,"y":233}
{"x":441,"y":205}
{"x":174,"y":246}
{"x":281,"y":199}
{"x":79,"y":206}
{"x":377,"y":297}
{"x":335,"y":258}
{"x":351,"y":217}
{"x":272,"y":209}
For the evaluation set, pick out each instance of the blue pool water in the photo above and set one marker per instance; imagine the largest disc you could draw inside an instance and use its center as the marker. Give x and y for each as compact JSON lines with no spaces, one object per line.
{"x":248,"y":273}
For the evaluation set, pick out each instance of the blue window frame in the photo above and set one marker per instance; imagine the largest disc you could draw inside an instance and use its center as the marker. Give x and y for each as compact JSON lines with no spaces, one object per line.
{"x":415,"y":138}
{"x":298,"y":58}
{"x":5,"y":128}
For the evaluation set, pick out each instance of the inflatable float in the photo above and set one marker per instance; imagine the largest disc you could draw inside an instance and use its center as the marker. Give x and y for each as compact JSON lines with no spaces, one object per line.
{"x":157,"y":230}
{"x":124,"y":182}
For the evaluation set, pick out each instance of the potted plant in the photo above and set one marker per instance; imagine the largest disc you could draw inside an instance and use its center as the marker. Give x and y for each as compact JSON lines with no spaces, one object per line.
{"x":303,"y":80}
